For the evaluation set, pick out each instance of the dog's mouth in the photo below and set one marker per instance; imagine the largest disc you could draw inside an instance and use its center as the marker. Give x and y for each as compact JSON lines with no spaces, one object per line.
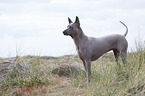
{"x":65,"y":33}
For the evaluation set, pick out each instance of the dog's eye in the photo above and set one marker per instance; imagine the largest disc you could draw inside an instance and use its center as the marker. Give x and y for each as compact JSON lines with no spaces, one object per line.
{"x":70,"y":27}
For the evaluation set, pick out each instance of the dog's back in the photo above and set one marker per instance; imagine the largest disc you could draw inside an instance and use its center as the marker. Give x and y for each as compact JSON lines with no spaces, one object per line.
{"x":101,"y":45}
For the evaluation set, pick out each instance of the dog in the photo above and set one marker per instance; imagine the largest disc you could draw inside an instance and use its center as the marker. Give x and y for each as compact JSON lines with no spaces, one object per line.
{"x":90,"y":48}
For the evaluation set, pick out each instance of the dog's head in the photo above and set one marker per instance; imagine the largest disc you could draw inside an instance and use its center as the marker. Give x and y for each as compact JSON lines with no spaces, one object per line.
{"x":73,"y":29}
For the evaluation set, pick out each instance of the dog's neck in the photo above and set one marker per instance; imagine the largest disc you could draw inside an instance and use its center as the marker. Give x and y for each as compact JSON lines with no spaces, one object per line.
{"x":79,"y":38}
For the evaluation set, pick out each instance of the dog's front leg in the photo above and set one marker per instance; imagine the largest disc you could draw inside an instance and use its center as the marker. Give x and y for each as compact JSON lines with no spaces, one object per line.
{"x":88,"y":70}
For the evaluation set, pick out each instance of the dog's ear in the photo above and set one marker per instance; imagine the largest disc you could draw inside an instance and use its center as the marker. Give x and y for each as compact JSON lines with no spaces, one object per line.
{"x":69,"y":20}
{"x":77,"y":21}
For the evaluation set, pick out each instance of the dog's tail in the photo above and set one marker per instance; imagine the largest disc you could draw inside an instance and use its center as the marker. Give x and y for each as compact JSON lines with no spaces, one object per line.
{"x":126,"y":28}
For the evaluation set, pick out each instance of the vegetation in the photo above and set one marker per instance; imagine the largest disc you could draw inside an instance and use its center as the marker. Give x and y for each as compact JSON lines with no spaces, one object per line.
{"x":107,"y":78}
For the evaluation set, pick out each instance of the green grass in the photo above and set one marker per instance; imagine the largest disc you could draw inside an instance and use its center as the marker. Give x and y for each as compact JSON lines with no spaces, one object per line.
{"x":107,"y":78}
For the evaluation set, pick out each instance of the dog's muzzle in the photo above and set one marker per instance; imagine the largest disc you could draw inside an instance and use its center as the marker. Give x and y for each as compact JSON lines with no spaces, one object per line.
{"x":65,"y":32}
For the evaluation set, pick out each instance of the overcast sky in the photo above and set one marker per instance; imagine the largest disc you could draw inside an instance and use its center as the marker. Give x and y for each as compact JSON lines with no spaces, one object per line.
{"x":34,"y":27}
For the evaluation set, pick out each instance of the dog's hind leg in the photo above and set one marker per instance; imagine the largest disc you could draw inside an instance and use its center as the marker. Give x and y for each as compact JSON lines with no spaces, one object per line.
{"x":116,"y":54}
{"x":123,"y":55}
{"x":84,"y":65}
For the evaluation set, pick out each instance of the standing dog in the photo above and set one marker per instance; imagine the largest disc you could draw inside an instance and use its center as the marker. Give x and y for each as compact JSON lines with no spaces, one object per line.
{"x":90,"y":48}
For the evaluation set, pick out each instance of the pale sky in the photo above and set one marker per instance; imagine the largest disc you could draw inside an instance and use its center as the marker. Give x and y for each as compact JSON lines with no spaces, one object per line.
{"x":34,"y":27}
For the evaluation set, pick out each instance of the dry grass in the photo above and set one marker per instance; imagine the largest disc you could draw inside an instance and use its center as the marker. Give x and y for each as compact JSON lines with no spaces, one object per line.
{"x":107,"y":78}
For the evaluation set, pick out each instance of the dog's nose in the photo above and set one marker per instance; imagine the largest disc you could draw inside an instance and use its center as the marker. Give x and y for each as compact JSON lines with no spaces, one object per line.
{"x":64,"y":32}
